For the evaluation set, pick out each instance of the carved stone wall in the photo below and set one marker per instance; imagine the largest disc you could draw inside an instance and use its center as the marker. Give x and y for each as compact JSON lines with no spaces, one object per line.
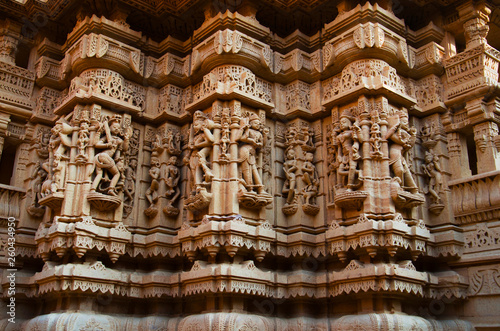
{"x":226,"y":177}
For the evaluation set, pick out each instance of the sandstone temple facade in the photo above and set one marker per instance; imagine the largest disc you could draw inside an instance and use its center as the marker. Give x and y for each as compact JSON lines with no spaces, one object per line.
{"x":249,"y":165}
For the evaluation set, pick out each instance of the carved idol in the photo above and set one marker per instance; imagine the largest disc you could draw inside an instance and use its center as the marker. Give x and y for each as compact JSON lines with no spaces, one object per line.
{"x":172,"y":176}
{"x":253,"y":140}
{"x":348,"y":150}
{"x":201,"y":146}
{"x":37,"y":178}
{"x":201,"y":139}
{"x":290,"y":168}
{"x":152,"y":192}
{"x":403,"y":138}
{"x":310,"y":179}
{"x":129,"y":189}
{"x":433,"y":170}
{"x":110,"y":160}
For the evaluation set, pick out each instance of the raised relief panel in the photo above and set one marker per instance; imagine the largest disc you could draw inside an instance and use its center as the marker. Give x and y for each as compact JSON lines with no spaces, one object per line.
{"x":301,"y":186}
{"x":201,"y":139}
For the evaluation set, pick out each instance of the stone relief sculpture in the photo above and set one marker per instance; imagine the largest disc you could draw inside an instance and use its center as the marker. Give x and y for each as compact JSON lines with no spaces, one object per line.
{"x":201,"y":140}
{"x":111,"y":147}
{"x":39,"y":173}
{"x":165,"y":147}
{"x":251,"y":192}
{"x":432,"y":169}
{"x":37,"y":178}
{"x":55,"y":166}
{"x":348,"y":152}
{"x":301,"y":176}
{"x":251,"y":189}
{"x":130,"y":173}
{"x":401,"y":138}
{"x":311,"y":181}
{"x":290,"y":168}
{"x":152,"y":192}
{"x":267,"y":173}
{"x":172,"y":192}
{"x":435,"y":186}
{"x":347,"y":162}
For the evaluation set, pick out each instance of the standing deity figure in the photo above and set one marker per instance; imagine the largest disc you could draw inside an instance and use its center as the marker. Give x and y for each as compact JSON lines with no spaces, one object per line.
{"x":251,"y":136}
{"x":152,"y":192}
{"x":376,"y":141}
{"x":59,"y":141}
{"x":310,"y":179}
{"x":200,"y":143}
{"x":290,"y":168}
{"x":348,"y":150}
{"x":110,"y":159}
{"x":172,"y":177}
{"x":433,"y":170}
{"x":403,"y":138}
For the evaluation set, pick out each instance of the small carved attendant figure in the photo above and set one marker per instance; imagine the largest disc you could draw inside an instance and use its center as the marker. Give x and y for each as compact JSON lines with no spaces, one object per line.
{"x":58,"y":173}
{"x":129,"y":189}
{"x":290,"y":167}
{"x":308,"y":169}
{"x":376,"y":141}
{"x":251,"y":136}
{"x":111,"y":158}
{"x":172,"y":176}
{"x":38,"y":176}
{"x":348,"y":151}
{"x":59,"y":138}
{"x":152,"y":192}
{"x":433,"y":170}
{"x":225,"y":139}
{"x":310,"y":179}
{"x":403,"y":138}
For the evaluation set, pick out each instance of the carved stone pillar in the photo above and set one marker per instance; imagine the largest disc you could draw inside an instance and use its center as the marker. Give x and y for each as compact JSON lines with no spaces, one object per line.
{"x":457,"y":148}
{"x":475,"y":17}
{"x":488,"y":158}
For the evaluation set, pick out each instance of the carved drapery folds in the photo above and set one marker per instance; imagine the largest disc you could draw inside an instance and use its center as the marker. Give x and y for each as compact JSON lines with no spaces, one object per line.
{"x":301,"y":186}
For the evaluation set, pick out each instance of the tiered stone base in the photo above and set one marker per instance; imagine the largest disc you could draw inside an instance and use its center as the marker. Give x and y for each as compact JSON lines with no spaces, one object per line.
{"x":232,"y":321}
